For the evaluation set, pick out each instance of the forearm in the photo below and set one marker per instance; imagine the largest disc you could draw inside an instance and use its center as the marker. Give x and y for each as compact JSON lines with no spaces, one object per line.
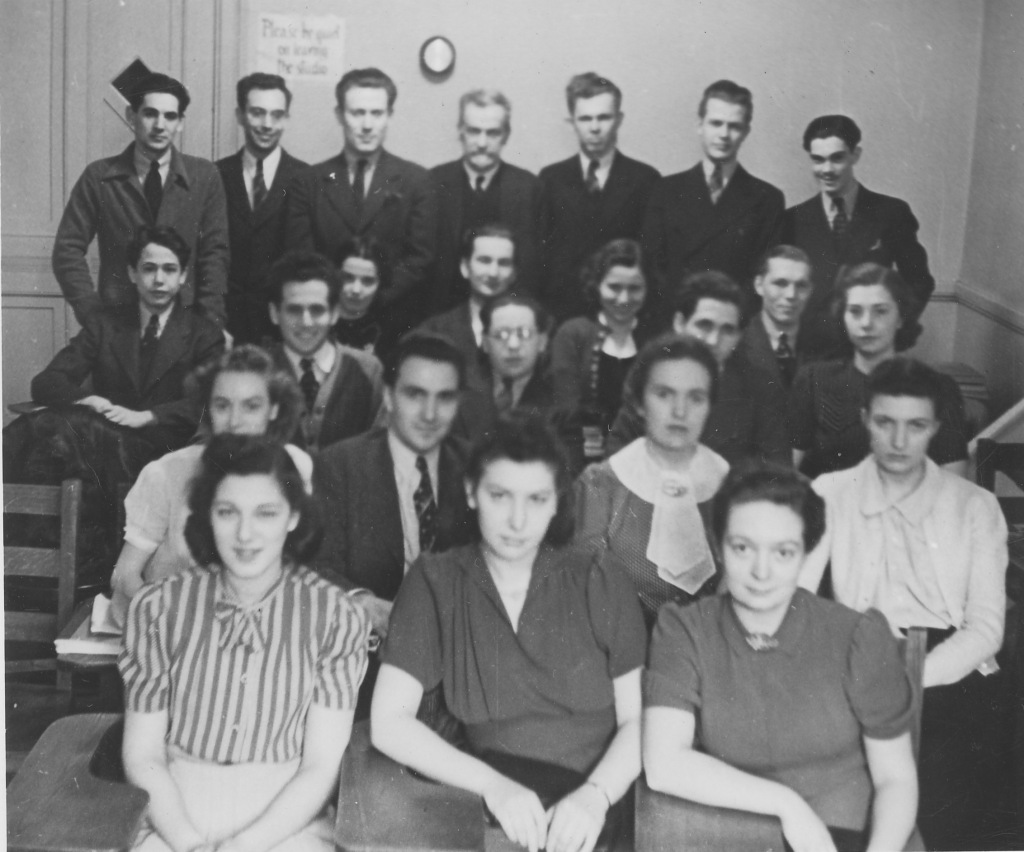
{"x":300,"y":801}
{"x":951,"y":661}
{"x":893,"y":813}
{"x":620,"y":766}
{"x":410,"y":742}
{"x":166,"y":808}
{"x":127,"y":578}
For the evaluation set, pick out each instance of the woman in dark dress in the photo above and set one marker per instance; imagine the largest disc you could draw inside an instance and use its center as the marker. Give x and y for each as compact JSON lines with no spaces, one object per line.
{"x":826,"y":426}
{"x":591,"y":355}
{"x":363,"y":266}
{"x":538,"y":649}
{"x":771,"y":700}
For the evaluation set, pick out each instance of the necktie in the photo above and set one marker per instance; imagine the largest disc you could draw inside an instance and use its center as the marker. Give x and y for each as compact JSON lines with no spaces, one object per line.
{"x":259,"y":185}
{"x":504,"y":401}
{"x":593,"y":184}
{"x":310,"y":386}
{"x":426,"y":508}
{"x":358,"y":190}
{"x":153,"y":188}
{"x":479,"y":184}
{"x":840,"y":220}
{"x":716,"y":183}
{"x":150,"y":338}
{"x":786,"y":358}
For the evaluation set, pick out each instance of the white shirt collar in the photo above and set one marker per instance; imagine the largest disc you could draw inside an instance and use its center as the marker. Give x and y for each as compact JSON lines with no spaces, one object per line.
{"x":488,"y":176}
{"x":323,"y":359}
{"x":604,"y":166}
{"x":145,"y":314}
{"x":405,"y":462}
{"x":728,"y":170}
{"x":773,"y":332}
{"x":142,"y":163}
{"x":849,"y":202}
{"x":476,"y":323}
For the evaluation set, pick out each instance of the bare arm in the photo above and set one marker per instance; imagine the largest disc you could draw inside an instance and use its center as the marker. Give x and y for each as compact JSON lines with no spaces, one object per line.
{"x":144,"y":753}
{"x":894,"y":805}
{"x":395,"y":730}
{"x":674,"y":767}
{"x":577,"y":819}
{"x":304,"y":796}
{"x":127,"y":579}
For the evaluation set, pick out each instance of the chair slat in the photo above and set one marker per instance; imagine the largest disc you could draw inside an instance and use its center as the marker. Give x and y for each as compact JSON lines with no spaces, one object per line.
{"x":29,"y":626}
{"x":31,"y":562}
{"x":26,"y":666}
{"x":32,"y":499}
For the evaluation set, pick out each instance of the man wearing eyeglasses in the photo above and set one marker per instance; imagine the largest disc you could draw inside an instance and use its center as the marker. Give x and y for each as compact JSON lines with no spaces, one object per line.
{"x":515,"y":340}
{"x":254,"y":180}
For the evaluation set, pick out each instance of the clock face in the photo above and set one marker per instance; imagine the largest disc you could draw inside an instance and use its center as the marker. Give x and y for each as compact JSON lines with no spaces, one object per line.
{"x":437,"y":55}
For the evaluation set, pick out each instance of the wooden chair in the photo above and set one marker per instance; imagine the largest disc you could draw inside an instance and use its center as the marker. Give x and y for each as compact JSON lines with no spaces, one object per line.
{"x":29,"y":635}
{"x":666,"y":823}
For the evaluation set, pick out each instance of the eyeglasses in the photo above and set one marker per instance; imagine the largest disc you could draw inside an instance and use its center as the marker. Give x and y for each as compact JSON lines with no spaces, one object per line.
{"x":522,"y":334}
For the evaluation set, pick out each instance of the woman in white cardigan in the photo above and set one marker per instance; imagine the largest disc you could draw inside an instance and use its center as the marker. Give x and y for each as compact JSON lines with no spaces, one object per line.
{"x":928,"y":549}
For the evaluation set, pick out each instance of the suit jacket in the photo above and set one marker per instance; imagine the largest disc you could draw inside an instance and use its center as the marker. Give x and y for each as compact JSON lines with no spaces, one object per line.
{"x":108,"y":349}
{"x":399,"y":210}
{"x":882,"y":230}
{"x":520,"y":200}
{"x":456,"y":325}
{"x":354,"y":483}
{"x":575,"y":224}
{"x":257,"y":240}
{"x":107,"y":203}
{"x":684,"y":232}
{"x":756,"y":352}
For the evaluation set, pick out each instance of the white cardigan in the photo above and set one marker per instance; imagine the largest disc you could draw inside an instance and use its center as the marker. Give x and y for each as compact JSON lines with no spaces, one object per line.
{"x":963,"y":537}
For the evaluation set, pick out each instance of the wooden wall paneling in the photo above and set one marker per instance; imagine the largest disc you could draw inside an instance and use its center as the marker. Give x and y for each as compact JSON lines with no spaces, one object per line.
{"x":34,"y":328}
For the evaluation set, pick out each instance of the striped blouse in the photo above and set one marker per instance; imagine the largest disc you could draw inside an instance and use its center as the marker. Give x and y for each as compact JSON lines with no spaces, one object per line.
{"x":237,"y":681}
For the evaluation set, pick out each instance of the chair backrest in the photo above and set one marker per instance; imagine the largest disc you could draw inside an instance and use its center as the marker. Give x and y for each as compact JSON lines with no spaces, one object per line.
{"x":59,"y":563}
{"x":993,"y":457}
{"x":915,"y":649}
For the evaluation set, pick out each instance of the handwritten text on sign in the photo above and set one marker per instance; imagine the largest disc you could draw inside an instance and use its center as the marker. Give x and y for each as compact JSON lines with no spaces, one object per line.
{"x":301,"y":47}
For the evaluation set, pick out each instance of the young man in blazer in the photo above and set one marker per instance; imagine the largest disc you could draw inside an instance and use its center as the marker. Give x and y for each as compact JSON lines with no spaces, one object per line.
{"x":255,"y":178}
{"x":366,"y":190}
{"x":772,"y":344}
{"x":847,"y":223}
{"x":138,"y":356}
{"x":597,"y":195}
{"x":715,"y":215}
{"x":480,"y":188}
{"x":149,"y":184}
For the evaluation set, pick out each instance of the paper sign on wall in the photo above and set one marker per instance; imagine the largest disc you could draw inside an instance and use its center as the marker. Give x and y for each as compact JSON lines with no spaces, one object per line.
{"x":301,"y":47}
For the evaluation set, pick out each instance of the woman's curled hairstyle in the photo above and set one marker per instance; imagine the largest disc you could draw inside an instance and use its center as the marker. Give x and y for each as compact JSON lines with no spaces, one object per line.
{"x":246,"y":455}
{"x":755,"y":482}
{"x":525,"y":438}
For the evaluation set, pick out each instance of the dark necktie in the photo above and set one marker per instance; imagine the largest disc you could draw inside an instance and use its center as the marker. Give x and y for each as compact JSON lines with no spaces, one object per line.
{"x":840,"y":220}
{"x":716,"y":183}
{"x":426,"y":508}
{"x":786,"y":358}
{"x":504,"y":400}
{"x":153,"y":188}
{"x":147,"y":348}
{"x":479,"y":184}
{"x":358,"y":189}
{"x":593,"y":184}
{"x":259,"y":185}
{"x":310,"y":386}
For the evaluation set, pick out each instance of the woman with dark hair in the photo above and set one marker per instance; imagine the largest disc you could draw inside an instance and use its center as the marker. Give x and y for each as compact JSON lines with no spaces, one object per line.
{"x":648,"y":503}
{"x":827,"y":429}
{"x":241,"y":673}
{"x":591,"y":355}
{"x":244,"y":393}
{"x":362,"y":263}
{"x":537,"y":648}
{"x":771,"y":700}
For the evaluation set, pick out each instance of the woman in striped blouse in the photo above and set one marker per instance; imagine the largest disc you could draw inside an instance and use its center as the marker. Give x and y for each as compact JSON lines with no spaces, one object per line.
{"x":241,"y":674}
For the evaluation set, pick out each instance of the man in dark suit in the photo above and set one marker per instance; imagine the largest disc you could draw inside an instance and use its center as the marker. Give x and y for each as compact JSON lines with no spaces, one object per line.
{"x":149,"y":184}
{"x":488,"y":262}
{"x":396,"y":492}
{"x":772,"y":345}
{"x":367,"y":191}
{"x":597,"y":195}
{"x":845,"y":224}
{"x":478,"y":189}
{"x":254,"y":181}
{"x":139,"y":356}
{"x":715,"y":215}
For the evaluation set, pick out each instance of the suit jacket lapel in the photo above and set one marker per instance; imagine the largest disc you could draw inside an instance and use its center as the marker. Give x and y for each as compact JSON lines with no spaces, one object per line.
{"x":734,"y":201}
{"x":387,"y":512}
{"x":275,"y":192}
{"x":339,"y":195}
{"x":126,"y":344}
{"x":858,"y":241}
{"x":378,"y":190}
{"x":450,"y":494}
{"x":173,"y":343}
{"x":616,"y":188}
{"x":760,"y":349}
{"x":234,"y":186}
{"x":177,"y":198}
